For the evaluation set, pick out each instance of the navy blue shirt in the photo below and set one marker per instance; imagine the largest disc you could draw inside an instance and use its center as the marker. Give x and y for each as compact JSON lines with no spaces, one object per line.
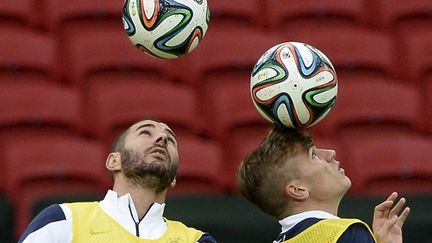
{"x":356,"y":233}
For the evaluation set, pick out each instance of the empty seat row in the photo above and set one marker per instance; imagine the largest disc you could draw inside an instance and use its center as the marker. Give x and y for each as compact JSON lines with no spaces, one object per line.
{"x":55,"y":14}
{"x":106,"y":108}
{"x":100,"y":56}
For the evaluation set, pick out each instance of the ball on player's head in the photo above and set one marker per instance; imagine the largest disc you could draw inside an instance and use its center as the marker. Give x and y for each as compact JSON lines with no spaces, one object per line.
{"x":294,"y":85}
{"x":166,"y":28}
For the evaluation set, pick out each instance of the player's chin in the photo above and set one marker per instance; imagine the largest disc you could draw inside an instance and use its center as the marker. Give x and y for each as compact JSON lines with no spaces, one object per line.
{"x":159,"y":162}
{"x":347,"y":182}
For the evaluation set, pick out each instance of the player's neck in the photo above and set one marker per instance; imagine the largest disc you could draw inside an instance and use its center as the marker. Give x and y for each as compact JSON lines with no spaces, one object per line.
{"x":142,"y":198}
{"x":313,"y":206}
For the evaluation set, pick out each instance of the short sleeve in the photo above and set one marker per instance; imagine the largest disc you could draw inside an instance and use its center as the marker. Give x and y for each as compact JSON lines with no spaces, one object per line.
{"x":356,"y":233}
{"x":50,"y":225}
{"x":206,"y":238}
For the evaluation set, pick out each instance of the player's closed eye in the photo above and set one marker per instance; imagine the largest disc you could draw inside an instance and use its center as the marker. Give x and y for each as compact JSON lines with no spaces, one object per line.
{"x":172,"y":140}
{"x":146,"y":132}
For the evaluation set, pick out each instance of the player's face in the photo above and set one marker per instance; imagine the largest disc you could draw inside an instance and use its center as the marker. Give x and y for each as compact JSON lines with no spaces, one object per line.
{"x":150,"y":156}
{"x":323,"y":174}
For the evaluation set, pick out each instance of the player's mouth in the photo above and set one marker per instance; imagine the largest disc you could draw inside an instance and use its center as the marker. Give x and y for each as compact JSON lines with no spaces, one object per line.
{"x":338,"y":168}
{"x":159,"y":153}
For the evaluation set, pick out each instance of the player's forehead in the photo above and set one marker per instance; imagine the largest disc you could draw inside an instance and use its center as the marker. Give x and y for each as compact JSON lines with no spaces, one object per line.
{"x":148,"y":124}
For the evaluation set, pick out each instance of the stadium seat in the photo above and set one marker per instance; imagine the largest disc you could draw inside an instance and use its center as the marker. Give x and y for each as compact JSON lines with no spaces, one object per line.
{"x":426,"y":120}
{"x":245,"y":223}
{"x":227,"y":105}
{"x":237,"y":145}
{"x":415,"y":54}
{"x":372,"y":105}
{"x":241,"y":14}
{"x":227,"y":51}
{"x":225,"y":77}
{"x":27,"y":56}
{"x":74,"y":21}
{"x":200,"y":167}
{"x":111,"y":108}
{"x":390,"y":162}
{"x":62,"y":16}
{"x":300,"y":14}
{"x":17,"y":14}
{"x":25,"y":108}
{"x":400,"y":15}
{"x":350,"y":49}
{"x":48,"y":166}
{"x":109,"y":57}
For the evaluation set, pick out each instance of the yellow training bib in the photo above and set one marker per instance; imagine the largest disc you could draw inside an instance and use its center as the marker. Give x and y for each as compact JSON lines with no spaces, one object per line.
{"x":326,"y":231}
{"x":91,"y":224}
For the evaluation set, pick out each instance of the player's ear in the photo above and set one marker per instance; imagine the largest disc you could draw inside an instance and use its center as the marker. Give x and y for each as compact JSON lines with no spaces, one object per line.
{"x":296,"y":191}
{"x":113,"y":162}
{"x":173,"y":182}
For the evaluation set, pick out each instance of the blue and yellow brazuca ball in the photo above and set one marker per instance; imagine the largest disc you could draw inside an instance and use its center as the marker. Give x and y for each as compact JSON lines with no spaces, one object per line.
{"x":294,"y":85}
{"x":166,"y":29}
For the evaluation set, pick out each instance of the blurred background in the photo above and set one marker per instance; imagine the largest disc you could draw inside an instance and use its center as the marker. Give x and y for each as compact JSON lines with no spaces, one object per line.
{"x":70,"y":81}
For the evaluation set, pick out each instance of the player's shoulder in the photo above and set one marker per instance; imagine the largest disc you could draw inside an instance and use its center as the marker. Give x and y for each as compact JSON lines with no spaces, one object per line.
{"x":357,"y":232}
{"x":49,"y":215}
{"x":204,"y":238}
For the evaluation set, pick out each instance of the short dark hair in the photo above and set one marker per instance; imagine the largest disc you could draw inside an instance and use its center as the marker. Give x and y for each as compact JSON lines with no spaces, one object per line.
{"x":260,"y":178}
{"x":119,"y":142}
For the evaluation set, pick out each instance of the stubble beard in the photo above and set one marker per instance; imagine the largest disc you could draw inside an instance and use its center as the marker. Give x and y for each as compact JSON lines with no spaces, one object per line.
{"x":154,"y":175}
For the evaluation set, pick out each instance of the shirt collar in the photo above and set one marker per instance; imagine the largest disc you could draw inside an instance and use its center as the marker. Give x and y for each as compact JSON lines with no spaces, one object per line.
{"x":121,"y":205}
{"x":289,"y":222}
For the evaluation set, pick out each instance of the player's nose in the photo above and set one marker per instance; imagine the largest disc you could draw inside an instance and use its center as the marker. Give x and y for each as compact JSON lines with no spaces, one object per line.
{"x":162,"y":139}
{"x":329,"y":155}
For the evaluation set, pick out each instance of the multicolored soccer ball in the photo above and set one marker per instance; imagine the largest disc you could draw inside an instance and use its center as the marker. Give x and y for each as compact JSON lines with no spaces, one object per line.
{"x":166,"y":28}
{"x":294,"y":85}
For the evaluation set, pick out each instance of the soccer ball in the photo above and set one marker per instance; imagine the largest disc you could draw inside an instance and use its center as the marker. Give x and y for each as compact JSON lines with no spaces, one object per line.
{"x":294,"y":85}
{"x":166,"y":28}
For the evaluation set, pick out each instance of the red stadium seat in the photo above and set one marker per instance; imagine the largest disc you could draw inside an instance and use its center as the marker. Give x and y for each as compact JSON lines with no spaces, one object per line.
{"x":49,"y":166}
{"x":240,"y":13}
{"x":351,"y":49}
{"x":226,"y":106}
{"x":225,"y":51}
{"x":230,"y":66}
{"x":27,"y":56}
{"x":375,"y":105}
{"x":111,"y":108}
{"x":74,"y":21}
{"x":200,"y":167}
{"x":240,"y":142}
{"x":36,"y":106}
{"x":426,"y":101}
{"x":62,"y":16}
{"x":300,"y":14}
{"x":387,"y":163}
{"x":410,"y":22}
{"x":109,"y":56}
{"x":17,"y":13}
{"x":397,"y":15}
{"x":415,"y":54}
